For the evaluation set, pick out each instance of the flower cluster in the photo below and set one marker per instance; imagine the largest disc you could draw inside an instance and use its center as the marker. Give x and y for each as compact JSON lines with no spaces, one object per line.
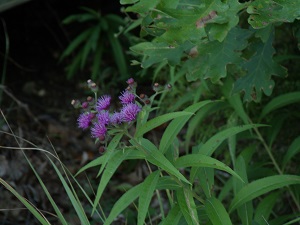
{"x":97,"y":116}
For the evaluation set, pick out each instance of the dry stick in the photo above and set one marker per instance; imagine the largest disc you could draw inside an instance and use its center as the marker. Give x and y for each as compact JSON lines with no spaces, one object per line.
{"x":21,"y":104}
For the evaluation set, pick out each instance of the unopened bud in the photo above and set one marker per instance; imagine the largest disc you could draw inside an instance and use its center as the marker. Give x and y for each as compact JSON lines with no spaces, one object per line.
{"x":89,"y":99}
{"x":76,"y":103}
{"x":156,"y":87}
{"x":130,"y":81}
{"x":101,"y":138}
{"x":84,"y":105}
{"x":94,"y":87}
{"x":168,"y":86}
{"x":142,"y":96}
{"x":147,"y":101}
{"x":102,"y":149}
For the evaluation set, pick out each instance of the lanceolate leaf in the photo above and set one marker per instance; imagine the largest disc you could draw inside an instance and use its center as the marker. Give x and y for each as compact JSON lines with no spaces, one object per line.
{"x":154,"y":156}
{"x":216,"y":212}
{"x":262,"y":13}
{"x":173,"y":216}
{"x":214,"y":142}
{"x":157,"y":121}
{"x":123,"y":202}
{"x":292,"y":151}
{"x":260,"y":67}
{"x":199,"y":160}
{"x":177,"y":124}
{"x":262,"y":186}
{"x":146,"y":193}
{"x":187,"y":206}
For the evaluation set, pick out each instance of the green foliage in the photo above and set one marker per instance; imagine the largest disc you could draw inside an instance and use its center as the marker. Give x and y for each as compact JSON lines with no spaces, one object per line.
{"x":94,"y":44}
{"x":204,"y":38}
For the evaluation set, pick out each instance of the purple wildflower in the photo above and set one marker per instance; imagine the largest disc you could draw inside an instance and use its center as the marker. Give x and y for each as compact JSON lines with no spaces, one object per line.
{"x":103,"y":117}
{"x":85,"y":119}
{"x":98,"y":131}
{"x":127,"y":97}
{"x":116,"y":118}
{"x":103,"y":103}
{"x":129,"y":112}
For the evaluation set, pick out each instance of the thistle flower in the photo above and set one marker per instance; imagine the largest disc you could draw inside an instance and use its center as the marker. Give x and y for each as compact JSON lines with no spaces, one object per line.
{"x":103,"y":117}
{"x":127,"y":97}
{"x":85,"y":120}
{"x":116,"y":118}
{"x":129,"y":112}
{"x":103,"y":103}
{"x":98,"y":131}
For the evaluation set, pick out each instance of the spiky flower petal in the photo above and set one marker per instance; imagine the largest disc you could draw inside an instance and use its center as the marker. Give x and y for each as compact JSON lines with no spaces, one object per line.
{"x":127,"y":97}
{"x":103,"y":103}
{"x":116,"y":118}
{"x":103,"y":117}
{"x":85,"y":120}
{"x":129,"y":112}
{"x":98,"y":130}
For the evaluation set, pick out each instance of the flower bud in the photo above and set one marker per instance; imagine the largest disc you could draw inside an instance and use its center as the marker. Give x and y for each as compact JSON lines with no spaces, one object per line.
{"x":76,"y":103}
{"x":84,"y":105}
{"x":102,"y":149}
{"x":156,"y":87}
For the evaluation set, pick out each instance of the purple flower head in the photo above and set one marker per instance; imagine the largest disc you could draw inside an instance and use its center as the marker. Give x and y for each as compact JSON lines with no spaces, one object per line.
{"x":103,"y":103}
{"x":129,"y":112}
{"x":127,"y":97}
{"x":85,"y":120}
{"x":98,"y":131}
{"x":103,"y":117}
{"x":116,"y":118}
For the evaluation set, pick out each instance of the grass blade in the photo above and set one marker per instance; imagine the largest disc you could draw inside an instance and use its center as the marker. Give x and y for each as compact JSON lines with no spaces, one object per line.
{"x":292,"y":151}
{"x":38,"y":215}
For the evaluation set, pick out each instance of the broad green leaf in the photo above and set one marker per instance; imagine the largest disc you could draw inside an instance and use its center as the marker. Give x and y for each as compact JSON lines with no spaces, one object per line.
{"x":215,"y":56}
{"x":214,"y":142}
{"x":216,"y":212}
{"x":36,"y":213}
{"x":146,"y":193}
{"x":71,"y":196}
{"x":262,"y":13}
{"x":157,"y":121}
{"x":279,"y":102}
{"x":154,"y":156}
{"x":158,"y":52}
{"x":177,"y":124}
{"x":124,"y":2}
{"x":143,"y":6}
{"x":187,"y":206}
{"x":262,"y":186}
{"x":124,"y":201}
{"x":260,"y":67}
{"x":173,"y":216}
{"x":292,"y":151}
{"x":206,"y":178}
{"x":265,"y":207}
{"x":200,"y":160}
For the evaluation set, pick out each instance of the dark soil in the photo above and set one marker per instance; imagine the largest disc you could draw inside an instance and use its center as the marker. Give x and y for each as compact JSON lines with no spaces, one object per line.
{"x":35,"y":102}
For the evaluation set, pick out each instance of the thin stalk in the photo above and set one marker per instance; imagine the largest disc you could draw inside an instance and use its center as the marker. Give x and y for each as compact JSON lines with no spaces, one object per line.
{"x":5,"y":57}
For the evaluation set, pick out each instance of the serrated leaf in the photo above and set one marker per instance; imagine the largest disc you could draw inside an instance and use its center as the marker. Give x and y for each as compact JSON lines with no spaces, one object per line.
{"x":215,"y":56}
{"x":143,"y":6}
{"x":262,"y":186}
{"x":146,"y":193}
{"x":187,"y":206}
{"x":157,"y":121}
{"x":216,"y":212}
{"x":200,"y":160}
{"x":158,"y":52}
{"x":260,"y":67}
{"x":124,"y":201}
{"x":262,"y":13}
